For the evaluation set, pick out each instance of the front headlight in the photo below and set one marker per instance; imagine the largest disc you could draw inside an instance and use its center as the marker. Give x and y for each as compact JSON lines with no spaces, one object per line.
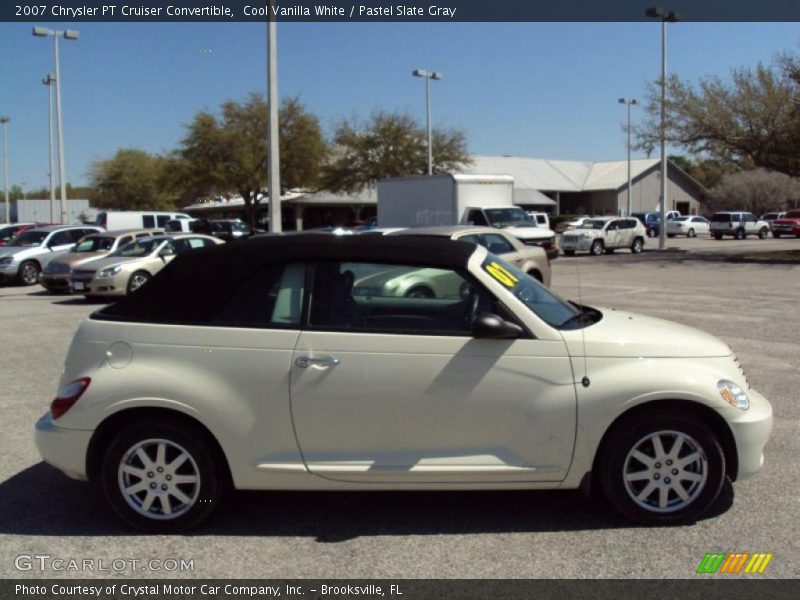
{"x":6,"y":260}
{"x":110,"y":271}
{"x":733,"y":394}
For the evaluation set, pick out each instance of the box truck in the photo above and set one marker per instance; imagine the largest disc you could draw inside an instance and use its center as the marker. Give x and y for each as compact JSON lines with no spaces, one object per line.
{"x":459,"y":200}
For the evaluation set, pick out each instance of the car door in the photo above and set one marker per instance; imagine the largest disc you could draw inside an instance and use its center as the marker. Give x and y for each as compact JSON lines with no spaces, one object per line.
{"x":612,"y":235}
{"x":388,"y":389}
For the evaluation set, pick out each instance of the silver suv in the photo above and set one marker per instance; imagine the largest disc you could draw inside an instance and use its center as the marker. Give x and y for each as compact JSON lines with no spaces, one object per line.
{"x":24,"y":257}
{"x":737,"y":224}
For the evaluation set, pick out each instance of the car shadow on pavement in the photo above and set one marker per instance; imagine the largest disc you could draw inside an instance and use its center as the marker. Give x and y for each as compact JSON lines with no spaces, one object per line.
{"x":84,"y":301}
{"x":42,"y":501}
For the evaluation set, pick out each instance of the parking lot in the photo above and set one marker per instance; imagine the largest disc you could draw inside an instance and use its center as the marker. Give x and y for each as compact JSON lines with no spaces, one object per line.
{"x":752,"y":307}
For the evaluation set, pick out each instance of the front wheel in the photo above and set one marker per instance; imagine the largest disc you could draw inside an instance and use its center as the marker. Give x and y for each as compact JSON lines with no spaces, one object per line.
{"x":762,"y":233}
{"x":665,"y":468}
{"x":28,"y":272}
{"x":137,"y":280}
{"x":596,"y":248}
{"x":637,"y":246}
{"x":161,"y":478}
{"x":651,"y":232}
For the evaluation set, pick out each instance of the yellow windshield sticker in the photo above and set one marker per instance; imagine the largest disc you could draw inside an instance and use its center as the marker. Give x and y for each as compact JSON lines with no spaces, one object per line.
{"x":501,"y":274}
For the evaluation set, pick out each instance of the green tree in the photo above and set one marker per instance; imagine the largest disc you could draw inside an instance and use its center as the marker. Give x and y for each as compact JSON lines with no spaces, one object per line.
{"x":389,"y":145}
{"x":228,"y":152}
{"x":132,"y":180}
{"x":750,"y":119}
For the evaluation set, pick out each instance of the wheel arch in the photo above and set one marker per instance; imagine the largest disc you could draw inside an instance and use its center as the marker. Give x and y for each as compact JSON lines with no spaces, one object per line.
{"x":702,"y":412}
{"x":107,"y":430}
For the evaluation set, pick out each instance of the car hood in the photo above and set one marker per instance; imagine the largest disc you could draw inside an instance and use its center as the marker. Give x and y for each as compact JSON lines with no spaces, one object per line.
{"x":13,"y":250}
{"x":586,"y":232}
{"x":784,"y":220}
{"x":530,"y":233}
{"x":109,"y":261}
{"x":623,"y":334}
{"x":77,"y":258}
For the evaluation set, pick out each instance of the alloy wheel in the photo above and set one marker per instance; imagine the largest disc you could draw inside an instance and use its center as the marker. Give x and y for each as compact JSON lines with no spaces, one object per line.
{"x":159,"y":479}
{"x":665,"y":471}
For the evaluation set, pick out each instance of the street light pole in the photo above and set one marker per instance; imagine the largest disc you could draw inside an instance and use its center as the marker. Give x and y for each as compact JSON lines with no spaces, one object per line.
{"x":629,"y":102}
{"x":49,"y":80}
{"x":4,"y":120}
{"x":274,"y":171}
{"x":69,"y":34}
{"x":428,"y":75}
{"x":665,"y":17}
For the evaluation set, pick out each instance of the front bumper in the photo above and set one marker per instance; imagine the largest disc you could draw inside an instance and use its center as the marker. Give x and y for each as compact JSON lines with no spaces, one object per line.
{"x":65,"y":449}
{"x":106,"y":286}
{"x":751,"y":429}
{"x":9,"y":272}
{"x":55,"y":283}
{"x":581,"y":244}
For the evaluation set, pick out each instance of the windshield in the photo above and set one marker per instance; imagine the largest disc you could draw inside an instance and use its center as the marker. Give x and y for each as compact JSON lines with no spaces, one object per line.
{"x":139,"y":248}
{"x":681,"y":219}
{"x":792,"y":214}
{"x":29,"y":239}
{"x":509,"y":217}
{"x":592,"y":224}
{"x":542,"y":302}
{"x":94,"y":244}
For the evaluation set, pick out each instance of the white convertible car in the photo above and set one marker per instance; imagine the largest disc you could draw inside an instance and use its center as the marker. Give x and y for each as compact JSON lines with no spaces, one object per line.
{"x":273,"y":375}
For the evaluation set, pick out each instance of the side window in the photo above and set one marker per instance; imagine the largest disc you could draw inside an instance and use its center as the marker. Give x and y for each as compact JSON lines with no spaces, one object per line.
{"x":273,"y":297}
{"x":141,"y":235}
{"x":148,"y":221}
{"x":181,"y":246}
{"x":476,"y":217}
{"x":403,"y":299}
{"x":497,"y":244}
{"x":61,"y":238}
{"x":161,"y":220}
{"x":124,"y":240}
{"x":613,"y":226}
{"x":473,"y":237}
{"x":196,"y":242}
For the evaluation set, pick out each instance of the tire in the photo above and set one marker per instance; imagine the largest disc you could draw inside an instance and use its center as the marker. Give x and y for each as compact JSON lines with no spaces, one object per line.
{"x":762,"y":233}
{"x":740,"y":234}
{"x":717,"y":236}
{"x":536,"y":275}
{"x":596,"y":248}
{"x":691,"y":233}
{"x":124,"y":468}
{"x":420,"y":291}
{"x":28,"y":273}
{"x":650,"y":496}
{"x":776,"y":235}
{"x":137,"y":280}
{"x":651,"y":233}
{"x":637,"y":246}
{"x":569,"y":252}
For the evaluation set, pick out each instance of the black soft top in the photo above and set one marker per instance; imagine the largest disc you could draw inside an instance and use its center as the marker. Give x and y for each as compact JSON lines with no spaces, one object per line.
{"x":197,"y":284}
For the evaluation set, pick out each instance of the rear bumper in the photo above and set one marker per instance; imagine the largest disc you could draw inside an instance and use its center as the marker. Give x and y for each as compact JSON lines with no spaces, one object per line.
{"x":65,"y":449}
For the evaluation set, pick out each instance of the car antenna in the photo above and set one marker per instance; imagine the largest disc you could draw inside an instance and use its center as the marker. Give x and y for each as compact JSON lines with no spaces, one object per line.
{"x":585,"y":380}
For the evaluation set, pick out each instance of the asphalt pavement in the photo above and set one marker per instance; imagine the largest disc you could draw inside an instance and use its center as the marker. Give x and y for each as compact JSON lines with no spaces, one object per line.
{"x":754,"y":308}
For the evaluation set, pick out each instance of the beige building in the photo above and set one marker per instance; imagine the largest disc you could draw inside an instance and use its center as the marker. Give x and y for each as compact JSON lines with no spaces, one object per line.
{"x":582,"y":187}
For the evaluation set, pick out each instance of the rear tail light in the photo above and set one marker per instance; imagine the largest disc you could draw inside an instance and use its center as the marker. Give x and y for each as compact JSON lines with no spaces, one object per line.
{"x":68,"y":395}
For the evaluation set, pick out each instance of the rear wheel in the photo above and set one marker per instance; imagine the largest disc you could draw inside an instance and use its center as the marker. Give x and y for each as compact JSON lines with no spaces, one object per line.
{"x":163,"y":477}
{"x":740,"y":234}
{"x":28,"y":272}
{"x":665,"y":468}
{"x":597,"y":247}
{"x":690,"y":233}
{"x":762,"y":233}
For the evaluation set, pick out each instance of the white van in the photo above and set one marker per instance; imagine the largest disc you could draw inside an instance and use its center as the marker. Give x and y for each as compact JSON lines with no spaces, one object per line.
{"x":130,"y":219}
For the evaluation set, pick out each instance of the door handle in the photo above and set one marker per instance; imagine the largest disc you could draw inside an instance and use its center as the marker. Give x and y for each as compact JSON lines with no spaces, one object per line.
{"x":307,"y":361}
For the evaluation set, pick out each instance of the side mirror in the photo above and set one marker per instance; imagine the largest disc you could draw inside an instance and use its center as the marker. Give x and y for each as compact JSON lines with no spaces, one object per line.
{"x":490,"y":326}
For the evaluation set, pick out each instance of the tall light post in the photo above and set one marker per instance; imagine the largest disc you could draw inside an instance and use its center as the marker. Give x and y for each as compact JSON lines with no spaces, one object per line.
{"x":428,"y":75}
{"x":273,"y":128}
{"x":4,"y":120}
{"x":49,"y":80}
{"x":68,"y":34}
{"x":629,"y":102}
{"x":665,"y":17}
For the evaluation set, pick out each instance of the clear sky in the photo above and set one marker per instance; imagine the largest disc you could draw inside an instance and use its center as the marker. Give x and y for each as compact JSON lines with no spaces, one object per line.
{"x":546,"y":90}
